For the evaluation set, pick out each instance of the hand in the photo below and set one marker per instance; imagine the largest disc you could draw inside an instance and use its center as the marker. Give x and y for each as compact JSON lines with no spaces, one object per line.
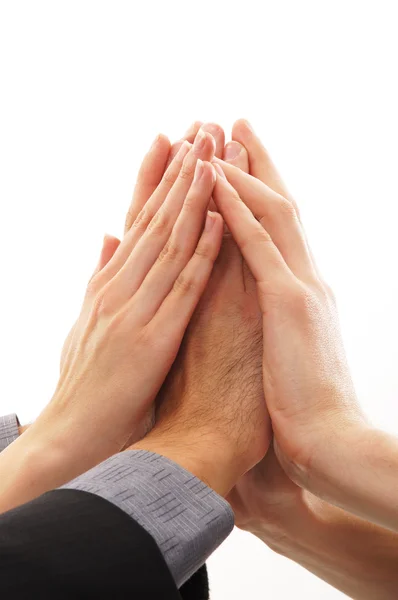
{"x":132,"y":322}
{"x":214,"y":391}
{"x":307,"y":384}
{"x":265,"y":501}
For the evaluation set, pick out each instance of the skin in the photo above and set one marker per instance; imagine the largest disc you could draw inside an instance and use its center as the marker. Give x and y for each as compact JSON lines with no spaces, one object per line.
{"x":331,"y":543}
{"x":225,"y":330}
{"x":136,"y":310}
{"x":317,"y":422}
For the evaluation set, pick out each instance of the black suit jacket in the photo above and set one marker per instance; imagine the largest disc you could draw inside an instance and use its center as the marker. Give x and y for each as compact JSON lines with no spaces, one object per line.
{"x":69,"y":544}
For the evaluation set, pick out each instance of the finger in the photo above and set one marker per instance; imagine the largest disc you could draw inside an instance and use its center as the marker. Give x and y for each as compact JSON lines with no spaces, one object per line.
{"x":179,"y":306}
{"x":148,"y":178}
{"x":235,"y":154}
{"x":174,"y":151}
{"x":179,"y":247}
{"x":192,"y":131}
{"x":148,"y":239}
{"x":146,"y":214}
{"x":188,"y":136}
{"x":109,"y":246}
{"x":262,"y":256}
{"x":218,"y":134}
{"x":261,"y":165}
{"x":277,"y":216}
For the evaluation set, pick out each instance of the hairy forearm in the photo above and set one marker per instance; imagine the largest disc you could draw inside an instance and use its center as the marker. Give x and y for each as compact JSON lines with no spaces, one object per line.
{"x":354,"y":556}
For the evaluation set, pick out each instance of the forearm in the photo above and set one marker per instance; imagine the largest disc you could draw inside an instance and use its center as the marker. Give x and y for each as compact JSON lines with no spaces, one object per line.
{"x":357,"y":471}
{"x":354,"y":556}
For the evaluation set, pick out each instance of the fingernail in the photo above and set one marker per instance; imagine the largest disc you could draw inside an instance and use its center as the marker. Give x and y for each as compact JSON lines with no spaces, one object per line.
{"x":192,"y":128}
{"x":219,"y":170}
{"x":199,"y":141}
{"x":198,"y":170}
{"x":232,"y":150}
{"x":212,"y":128}
{"x":210,"y":220}
{"x":183,"y":151}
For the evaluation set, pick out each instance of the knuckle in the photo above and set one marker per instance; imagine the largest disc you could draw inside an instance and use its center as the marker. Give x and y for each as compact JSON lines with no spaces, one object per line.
{"x":94,"y":286}
{"x":185,"y":284}
{"x":129,"y":219}
{"x":170,"y":253}
{"x":261,"y":236}
{"x":204,"y":251}
{"x":186,"y":171}
{"x":101,"y":305}
{"x":169,"y":177}
{"x":160,"y":223}
{"x":287,"y":210}
{"x":142,"y":220}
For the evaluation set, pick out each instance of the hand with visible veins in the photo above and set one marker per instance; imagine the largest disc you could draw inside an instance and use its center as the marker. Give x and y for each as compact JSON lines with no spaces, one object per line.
{"x":134,"y":315}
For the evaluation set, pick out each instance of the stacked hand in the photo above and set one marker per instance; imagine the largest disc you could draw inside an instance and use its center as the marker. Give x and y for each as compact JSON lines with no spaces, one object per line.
{"x":240,"y":368}
{"x":137,"y":307}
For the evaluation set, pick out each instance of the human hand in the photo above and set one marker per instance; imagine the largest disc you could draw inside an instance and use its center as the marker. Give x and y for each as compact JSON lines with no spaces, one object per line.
{"x":265,"y":501}
{"x":215,"y":384}
{"x":133,"y":319}
{"x":307,"y":383}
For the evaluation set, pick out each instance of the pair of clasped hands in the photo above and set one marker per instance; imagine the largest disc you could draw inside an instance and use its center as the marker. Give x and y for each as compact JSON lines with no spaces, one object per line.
{"x":208,"y":335}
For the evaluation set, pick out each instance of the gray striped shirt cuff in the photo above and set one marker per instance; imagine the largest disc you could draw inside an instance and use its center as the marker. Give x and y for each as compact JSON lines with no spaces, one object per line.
{"x":187,"y":519}
{"x":8,"y":430}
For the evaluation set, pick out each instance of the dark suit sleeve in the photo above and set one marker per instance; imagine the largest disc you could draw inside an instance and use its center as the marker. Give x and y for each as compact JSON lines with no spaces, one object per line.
{"x":73,"y":544}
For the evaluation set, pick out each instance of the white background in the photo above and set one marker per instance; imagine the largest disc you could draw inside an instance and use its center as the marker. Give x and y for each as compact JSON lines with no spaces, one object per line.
{"x":86,"y":85}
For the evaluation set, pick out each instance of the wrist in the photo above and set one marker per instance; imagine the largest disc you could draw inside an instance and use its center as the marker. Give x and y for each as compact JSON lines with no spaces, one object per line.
{"x":28,"y":468}
{"x":206,"y":456}
{"x":354,"y":469}
{"x":320,"y":457}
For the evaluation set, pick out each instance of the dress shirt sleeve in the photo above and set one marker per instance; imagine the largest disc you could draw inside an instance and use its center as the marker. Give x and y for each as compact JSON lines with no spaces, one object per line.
{"x":8,"y":430}
{"x":186,"y":518}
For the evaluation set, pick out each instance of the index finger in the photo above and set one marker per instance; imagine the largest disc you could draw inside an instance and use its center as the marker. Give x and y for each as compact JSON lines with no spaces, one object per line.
{"x":262,"y":256}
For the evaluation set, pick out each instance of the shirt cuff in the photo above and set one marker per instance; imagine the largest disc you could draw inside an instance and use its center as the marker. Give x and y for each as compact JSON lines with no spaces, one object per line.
{"x":8,"y":430}
{"x":187,"y":519}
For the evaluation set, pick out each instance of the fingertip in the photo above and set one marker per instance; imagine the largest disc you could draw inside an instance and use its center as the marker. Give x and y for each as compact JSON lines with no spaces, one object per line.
{"x":242,"y":132}
{"x":192,"y":130}
{"x":110,"y":239}
{"x":218,"y":134}
{"x":110,"y":244}
{"x":213,"y":229}
{"x":219,"y":171}
{"x":160,"y":144}
{"x":218,"y":220}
